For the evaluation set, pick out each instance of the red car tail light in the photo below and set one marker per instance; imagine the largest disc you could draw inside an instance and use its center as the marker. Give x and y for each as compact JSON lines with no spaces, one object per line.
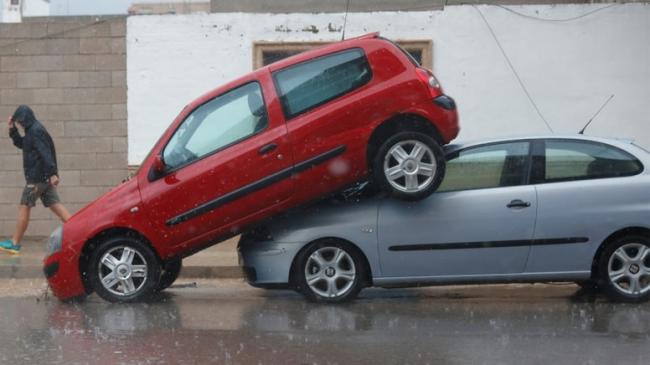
{"x":428,"y":79}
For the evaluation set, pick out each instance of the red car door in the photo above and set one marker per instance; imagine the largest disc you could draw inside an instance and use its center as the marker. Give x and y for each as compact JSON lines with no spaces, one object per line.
{"x":228,"y":161}
{"x":327,"y":109}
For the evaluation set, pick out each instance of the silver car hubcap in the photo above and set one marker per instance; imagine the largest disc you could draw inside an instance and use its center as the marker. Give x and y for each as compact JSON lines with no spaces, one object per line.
{"x":409,"y":166}
{"x":330,"y":272}
{"x":122,"y":271}
{"x":629,"y":269}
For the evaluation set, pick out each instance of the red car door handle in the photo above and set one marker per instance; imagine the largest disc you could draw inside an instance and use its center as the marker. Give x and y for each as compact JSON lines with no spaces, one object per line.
{"x":517,"y":203}
{"x":267,"y":148}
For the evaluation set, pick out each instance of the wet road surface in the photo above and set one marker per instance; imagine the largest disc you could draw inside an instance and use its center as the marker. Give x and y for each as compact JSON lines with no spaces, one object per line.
{"x":227,"y":322}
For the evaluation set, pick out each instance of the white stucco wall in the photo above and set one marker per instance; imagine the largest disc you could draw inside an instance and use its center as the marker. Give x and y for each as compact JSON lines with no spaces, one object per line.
{"x":570,"y":67}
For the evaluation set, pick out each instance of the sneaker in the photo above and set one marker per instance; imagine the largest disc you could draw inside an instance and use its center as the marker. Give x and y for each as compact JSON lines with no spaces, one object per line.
{"x":8,"y":245}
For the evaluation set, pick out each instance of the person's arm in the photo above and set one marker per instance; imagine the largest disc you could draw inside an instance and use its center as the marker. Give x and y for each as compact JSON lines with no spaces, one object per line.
{"x":15,"y":136}
{"x":48,"y":159}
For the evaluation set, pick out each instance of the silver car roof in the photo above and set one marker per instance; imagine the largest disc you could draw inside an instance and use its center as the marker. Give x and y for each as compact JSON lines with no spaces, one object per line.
{"x":624,"y":143}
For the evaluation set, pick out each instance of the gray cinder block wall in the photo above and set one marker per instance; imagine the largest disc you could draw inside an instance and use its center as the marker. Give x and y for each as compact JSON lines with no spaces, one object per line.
{"x":73,"y":73}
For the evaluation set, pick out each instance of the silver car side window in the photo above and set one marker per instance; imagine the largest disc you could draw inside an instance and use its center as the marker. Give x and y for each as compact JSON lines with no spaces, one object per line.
{"x":488,"y":166}
{"x":580,"y":160}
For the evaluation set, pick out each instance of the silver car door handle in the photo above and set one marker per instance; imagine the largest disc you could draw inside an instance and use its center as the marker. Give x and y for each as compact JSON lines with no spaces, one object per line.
{"x":518,"y":203}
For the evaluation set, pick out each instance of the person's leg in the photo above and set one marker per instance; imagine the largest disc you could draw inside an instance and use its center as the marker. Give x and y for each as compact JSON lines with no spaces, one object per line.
{"x":51,"y":200}
{"x":21,"y":223}
{"x":60,"y":211}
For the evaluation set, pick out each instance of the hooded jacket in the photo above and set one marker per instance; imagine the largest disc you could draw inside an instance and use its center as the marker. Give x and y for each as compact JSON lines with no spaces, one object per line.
{"x":39,"y":155}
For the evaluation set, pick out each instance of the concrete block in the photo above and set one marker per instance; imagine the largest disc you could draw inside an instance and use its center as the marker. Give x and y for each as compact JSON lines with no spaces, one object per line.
{"x":63,"y":46}
{"x":14,"y":162}
{"x":119,"y":111}
{"x":95,"y":45}
{"x":110,"y":62}
{"x":95,"y":112}
{"x":48,"y":96}
{"x":119,"y":78}
{"x":31,"y":79}
{"x":79,"y":96}
{"x":46,"y":63}
{"x":15,"y":30}
{"x":39,"y":30}
{"x":118,"y":28}
{"x":113,"y":160}
{"x":10,"y":194}
{"x":16,"y":96}
{"x":55,"y":29}
{"x":63,"y":112}
{"x":31,"y":63}
{"x":11,"y":179}
{"x":15,"y":63}
{"x":87,"y":30}
{"x":79,"y":62}
{"x":103,"y":177}
{"x":77,"y":161}
{"x":81,"y":194}
{"x":63,"y":79}
{"x":70,"y":177}
{"x":120,"y":144}
{"x":95,"y":79}
{"x":84,"y":145}
{"x":42,"y":227}
{"x":110,"y":128}
{"x":118,"y":45}
{"x":7,"y":80}
{"x":55,"y":129}
{"x":28,"y":47}
{"x":112,"y":95}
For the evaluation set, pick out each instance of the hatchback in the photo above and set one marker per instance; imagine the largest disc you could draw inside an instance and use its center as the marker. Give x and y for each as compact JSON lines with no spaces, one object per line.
{"x":281,"y":136}
{"x":513,"y":210}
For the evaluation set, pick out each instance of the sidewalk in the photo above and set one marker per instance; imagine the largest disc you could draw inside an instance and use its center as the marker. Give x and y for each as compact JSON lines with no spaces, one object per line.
{"x":219,"y":261}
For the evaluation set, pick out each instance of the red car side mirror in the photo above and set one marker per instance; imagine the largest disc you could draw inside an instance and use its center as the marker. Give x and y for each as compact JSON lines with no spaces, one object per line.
{"x":158,"y":164}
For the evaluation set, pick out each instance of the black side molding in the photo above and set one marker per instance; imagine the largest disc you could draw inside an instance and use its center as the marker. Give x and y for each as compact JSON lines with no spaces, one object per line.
{"x":489,"y":244}
{"x":255,"y":186}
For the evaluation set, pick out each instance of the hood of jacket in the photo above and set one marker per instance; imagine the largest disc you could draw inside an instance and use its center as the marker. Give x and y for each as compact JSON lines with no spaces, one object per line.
{"x":25,"y":116}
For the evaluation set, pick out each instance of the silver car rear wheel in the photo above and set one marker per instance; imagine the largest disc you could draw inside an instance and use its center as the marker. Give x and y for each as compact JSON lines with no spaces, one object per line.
{"x":629,"y":269}
{"x":624,"y":268}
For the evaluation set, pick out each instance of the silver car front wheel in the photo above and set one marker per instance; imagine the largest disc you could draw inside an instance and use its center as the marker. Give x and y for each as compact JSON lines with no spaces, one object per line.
{"x":330,"y":271}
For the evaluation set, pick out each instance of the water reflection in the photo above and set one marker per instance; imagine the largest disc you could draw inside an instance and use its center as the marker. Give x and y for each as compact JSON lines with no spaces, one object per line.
{"x":399,"y":326}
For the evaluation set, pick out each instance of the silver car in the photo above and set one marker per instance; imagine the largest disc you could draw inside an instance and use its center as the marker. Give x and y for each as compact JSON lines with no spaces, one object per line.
{"x":532,"y":209}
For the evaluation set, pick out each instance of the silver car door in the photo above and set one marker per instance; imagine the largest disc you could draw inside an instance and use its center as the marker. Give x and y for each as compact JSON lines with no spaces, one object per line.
{"x":480,"y":221}
{"x":586,"y":191}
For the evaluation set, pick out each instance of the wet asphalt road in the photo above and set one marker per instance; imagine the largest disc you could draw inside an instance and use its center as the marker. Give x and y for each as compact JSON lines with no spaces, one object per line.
{"x":227,"y":322}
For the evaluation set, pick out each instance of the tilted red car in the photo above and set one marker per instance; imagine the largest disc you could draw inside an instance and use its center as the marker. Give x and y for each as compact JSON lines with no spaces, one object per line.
{"x":281,"y":136}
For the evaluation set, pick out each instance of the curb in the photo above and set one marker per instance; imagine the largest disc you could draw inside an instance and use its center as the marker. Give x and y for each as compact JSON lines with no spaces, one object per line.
{"x":188,"y":272}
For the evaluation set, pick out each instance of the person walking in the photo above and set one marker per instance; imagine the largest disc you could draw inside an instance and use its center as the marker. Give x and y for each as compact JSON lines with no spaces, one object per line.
{"x":41,"y":172}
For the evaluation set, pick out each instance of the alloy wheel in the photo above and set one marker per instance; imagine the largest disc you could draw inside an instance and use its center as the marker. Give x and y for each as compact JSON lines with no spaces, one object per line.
{"x":629,"y":269}
{"x":122,"y":271}
{"x":410,"y":166}
{"x":330,"y":272}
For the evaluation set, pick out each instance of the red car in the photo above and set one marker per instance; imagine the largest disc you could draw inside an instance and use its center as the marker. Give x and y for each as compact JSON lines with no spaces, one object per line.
{"x":281,"y":136}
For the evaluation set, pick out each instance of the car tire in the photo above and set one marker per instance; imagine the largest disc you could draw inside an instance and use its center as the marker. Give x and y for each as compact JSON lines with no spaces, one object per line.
{"x":329,"y":271}
{"x":409,"y":166}
{"x":134,"y":267}
{"x":624,"y":268}
{"x":171,"y":271}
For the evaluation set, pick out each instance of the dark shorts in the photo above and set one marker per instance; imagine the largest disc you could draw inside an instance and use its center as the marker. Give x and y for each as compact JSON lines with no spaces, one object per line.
{"x":46,"y":192}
